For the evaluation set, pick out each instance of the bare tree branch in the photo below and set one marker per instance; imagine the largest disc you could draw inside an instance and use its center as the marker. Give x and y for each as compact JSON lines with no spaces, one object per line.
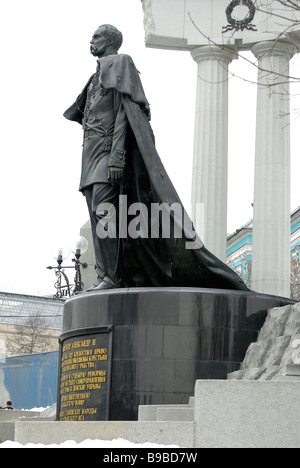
{"x":30,"y":338}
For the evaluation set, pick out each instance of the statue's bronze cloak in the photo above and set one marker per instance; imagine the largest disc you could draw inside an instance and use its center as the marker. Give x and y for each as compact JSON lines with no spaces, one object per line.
{"x":153,"y":261}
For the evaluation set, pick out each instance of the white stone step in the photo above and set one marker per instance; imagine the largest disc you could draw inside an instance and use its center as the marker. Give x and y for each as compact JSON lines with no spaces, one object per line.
{"x":175,"y":414}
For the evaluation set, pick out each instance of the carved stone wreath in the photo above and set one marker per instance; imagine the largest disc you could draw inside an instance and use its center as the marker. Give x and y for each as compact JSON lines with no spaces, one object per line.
{"x":240,"y":25}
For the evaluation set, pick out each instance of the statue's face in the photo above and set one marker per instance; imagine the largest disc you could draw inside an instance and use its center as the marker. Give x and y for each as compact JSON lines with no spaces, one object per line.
{"x":99,"y":43}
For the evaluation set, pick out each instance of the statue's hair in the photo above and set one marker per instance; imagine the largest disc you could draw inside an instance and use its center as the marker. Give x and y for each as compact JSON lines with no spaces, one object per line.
{"x":113,"y":33}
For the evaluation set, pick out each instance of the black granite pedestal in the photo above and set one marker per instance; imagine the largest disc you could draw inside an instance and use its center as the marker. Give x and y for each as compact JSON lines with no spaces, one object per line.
{"x":129,"y":347}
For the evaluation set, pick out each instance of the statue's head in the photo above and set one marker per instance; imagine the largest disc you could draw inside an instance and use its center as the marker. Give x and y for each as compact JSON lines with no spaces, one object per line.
{"x":106,"y":39}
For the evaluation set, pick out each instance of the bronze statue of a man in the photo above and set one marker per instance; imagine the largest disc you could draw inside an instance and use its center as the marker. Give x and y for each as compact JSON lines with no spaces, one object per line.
{"x":119,"y":157}
{"x":105,"y":128}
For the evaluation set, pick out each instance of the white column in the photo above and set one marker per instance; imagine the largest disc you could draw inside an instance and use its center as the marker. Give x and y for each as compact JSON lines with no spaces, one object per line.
{"x":271,"y":217}
{"x":209,"y":186}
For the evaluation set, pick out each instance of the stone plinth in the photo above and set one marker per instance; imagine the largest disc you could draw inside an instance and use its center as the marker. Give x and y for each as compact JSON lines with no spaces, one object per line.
{"x":243,"y":414}
{"x":149,"y":346}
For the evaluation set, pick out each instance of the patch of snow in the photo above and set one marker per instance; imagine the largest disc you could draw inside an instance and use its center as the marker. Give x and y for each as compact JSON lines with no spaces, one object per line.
{"x":88,"y":443}
{"x":37,"y":410}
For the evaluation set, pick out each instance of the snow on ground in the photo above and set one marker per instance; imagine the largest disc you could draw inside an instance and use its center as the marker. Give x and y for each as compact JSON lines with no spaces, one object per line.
{"x":37,"y":410}
{"x":88,"y":443}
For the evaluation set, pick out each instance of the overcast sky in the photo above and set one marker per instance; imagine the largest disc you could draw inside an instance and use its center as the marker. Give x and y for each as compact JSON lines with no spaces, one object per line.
{"x":45,"y":63}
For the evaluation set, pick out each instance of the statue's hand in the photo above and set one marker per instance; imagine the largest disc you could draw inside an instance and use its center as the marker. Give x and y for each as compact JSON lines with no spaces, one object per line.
{"x":116,"y":166}
{"x":115,"y":175}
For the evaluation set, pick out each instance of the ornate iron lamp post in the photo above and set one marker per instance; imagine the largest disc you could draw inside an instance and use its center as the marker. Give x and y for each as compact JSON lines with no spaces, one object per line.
{"x":62,"y":285}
